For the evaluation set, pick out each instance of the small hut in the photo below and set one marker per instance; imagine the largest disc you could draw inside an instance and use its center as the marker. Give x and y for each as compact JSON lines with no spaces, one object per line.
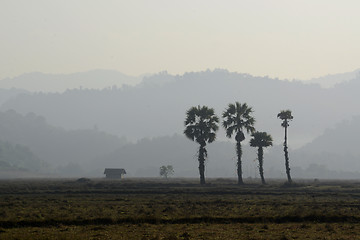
{"x":114,"y":172}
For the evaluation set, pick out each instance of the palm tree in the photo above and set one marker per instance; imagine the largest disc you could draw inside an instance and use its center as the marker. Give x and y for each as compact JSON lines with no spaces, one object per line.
{"x":260,"y":140}
{"x":201,"y":125}
{"x":286,"y":116}
{"x":237,"y":119}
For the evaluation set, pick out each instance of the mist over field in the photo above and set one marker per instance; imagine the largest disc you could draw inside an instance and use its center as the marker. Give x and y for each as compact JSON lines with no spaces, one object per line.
{"x":82,"y":130}
{"x":179,"y":119}
{"x":88,"y":85}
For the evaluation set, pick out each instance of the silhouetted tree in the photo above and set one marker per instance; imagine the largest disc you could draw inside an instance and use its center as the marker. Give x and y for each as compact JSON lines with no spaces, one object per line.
{"x":166,"y":171}
{"x":261,"y":140}
{"x":201,"y":125}
{"x":237,"y":119}
{"x":286,"y":116}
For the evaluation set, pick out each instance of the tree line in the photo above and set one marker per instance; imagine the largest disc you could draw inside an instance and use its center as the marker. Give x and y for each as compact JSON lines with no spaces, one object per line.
{"x":201,"y":125}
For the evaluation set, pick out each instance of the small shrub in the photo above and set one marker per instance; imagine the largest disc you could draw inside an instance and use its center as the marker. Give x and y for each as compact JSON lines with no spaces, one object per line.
{"x":83,"y":180}
{"x":166,"y":171}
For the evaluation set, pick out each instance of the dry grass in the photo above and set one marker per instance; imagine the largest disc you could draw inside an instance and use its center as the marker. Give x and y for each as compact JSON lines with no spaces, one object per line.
{"x":177,"y":209}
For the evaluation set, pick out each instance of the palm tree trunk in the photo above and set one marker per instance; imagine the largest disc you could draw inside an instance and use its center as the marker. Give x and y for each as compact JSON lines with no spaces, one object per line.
{"x":239,"y":167}
{"x":287,"y":158}
{"x":261,"y":169}
{"x":202,"y":164}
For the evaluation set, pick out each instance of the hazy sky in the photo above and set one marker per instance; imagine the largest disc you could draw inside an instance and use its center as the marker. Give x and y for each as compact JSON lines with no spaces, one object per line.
{"x":280,"y":38}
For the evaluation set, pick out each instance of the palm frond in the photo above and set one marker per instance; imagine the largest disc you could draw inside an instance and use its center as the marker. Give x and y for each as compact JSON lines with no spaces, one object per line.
{"x":261,"y":139}
{"x":230,"y":131}
{"x":201,"y":124}
{"x":286,"y":116}
{"x":238,"y":118}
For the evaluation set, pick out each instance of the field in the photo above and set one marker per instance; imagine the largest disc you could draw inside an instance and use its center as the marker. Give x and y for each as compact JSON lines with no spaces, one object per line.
{"x":178,"y":209}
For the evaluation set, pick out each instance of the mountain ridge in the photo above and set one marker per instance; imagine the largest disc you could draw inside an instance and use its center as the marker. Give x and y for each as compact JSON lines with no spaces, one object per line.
{"x":105,"y":78}
{"x":48,"y":82}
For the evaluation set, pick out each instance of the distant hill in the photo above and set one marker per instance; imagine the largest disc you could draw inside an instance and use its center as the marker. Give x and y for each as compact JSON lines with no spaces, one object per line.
{"x":157,"y":106}
{"x":29,"y":144}
{"x":331,"y":80}
{"x":337,"y":147}
{"x":55,"y":146}
{"x":6,"y":94}
{"x":18,"y":157}
{"x":90,"y":124}
{"x":95,"y":79}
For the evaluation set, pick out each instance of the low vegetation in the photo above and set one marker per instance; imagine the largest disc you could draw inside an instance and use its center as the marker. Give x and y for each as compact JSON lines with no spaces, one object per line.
{"x":166,"y":171}
{"x":178,"y":209}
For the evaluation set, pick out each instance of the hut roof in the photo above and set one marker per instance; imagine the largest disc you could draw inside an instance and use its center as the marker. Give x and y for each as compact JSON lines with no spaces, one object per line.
{"x":114,"y":171}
